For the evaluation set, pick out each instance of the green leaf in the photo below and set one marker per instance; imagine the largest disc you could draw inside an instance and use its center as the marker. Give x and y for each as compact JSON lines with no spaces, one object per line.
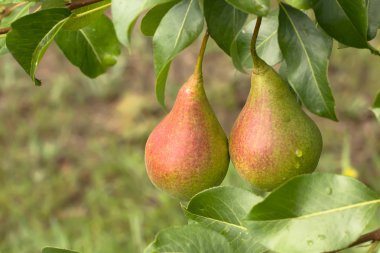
{"x":172,"y":37}
{"x":267,"y":44}
{"x":257,"y":7}
{"x":31,"y":36}
{"x":56,"y":250}
{"x":223,"y":22}
{"x":190,"y":238}
{"x":313,"y":213}
{"x":125,"y":13}
{"x":153,"y":17}
{"x":222,"y":209}
{"x":48,"y":4}
{"x":93,"y":48}
{"x":306,"y":50}
{"x":376,"y":107}
{"x":8,"y":20}
{"x":345,"y":21}
{"x":86,"y":15}
{"x":373,"y":18}
{"x":301,"y":4}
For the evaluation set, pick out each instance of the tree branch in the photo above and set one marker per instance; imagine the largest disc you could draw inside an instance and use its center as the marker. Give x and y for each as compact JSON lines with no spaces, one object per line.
{"x":370,"y":237}
{"x":81,"y":3}
{"x":9,"y":10}
{"x":4,"y":30}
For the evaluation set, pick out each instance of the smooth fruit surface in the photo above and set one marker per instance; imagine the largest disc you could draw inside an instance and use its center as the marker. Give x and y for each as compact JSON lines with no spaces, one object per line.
{"x":188,"y":151}
{"x":272,"y":139}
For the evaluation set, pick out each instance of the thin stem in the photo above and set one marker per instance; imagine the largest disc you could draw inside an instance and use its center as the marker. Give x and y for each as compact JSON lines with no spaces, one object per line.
{"x":373,"y":236}
{"x":198,"y":67}
{"x":4,"y":30}
{"x":254,"y":38}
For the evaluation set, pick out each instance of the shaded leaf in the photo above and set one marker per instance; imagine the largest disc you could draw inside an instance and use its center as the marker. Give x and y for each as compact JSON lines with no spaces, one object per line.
{"x":86,"y":15}
{"x":31,"y":36}
{"x":153,"y":17}
{"x":57,"y":250}
{"x":303,"y":214}
{"x":190,"y":238}
{"x":267,"y":44}
{"x":125,"y":13}
{"x":373,"y":18}
{"x":93,"y":48}
{"x":223,"y":22}
{"x":345,"y":21}
{"x":222,"y":209}
{"x":306,"y":50}
{"x":172,"y":37}
{"x":8,"y":20}
{"x":257,"y":7}
{"x":48,"y":4}
{"x":376,"y":107}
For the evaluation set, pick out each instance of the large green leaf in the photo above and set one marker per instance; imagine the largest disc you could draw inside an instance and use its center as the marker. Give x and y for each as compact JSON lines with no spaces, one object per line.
{"x":306,"y":50}
{"x":93,"y":48}
{"x":313,"y":213}
{"x":153,"y":17}
{"x":125,"y":13}
{"x":222,"y":209}
{"x":189,"y":239}
{"x":267,"y":44}
{"x":172,"y":37}
{"x":373,"y":18}
{"x":8,"y":20}
{"x":223,"y":22}
{"x":57,"y":250}
{"x":345,"y":21}
{"x":86,"y":15}
{"x":376,"y":107}
{"x":31,"y":36}
{"x":257,"y":7}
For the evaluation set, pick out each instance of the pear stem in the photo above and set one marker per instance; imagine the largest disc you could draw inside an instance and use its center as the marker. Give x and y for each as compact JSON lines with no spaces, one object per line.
{"x":198,"y":67}
{"x":255,"y":34}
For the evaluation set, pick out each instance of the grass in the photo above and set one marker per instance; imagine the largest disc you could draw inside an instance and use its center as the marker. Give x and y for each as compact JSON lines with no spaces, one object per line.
{"x":72,"y":170}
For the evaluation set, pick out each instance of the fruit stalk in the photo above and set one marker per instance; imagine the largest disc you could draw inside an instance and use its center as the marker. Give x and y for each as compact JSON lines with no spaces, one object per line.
{"x":198,"y":67}
{"x":255,"y":34}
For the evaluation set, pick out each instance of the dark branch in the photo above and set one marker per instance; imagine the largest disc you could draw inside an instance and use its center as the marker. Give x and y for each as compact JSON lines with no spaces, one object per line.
{"x":4,"y":30}
{"x":82,"y":3}
{"x":370,"y":237}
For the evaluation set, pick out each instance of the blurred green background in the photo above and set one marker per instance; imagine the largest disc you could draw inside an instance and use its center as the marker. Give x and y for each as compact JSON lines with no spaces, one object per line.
{"x":72,"y":168}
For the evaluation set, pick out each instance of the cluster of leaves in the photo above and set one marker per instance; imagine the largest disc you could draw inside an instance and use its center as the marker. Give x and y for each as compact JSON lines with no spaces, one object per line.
{"x":296,"y":33}
{"x":310,"y":213}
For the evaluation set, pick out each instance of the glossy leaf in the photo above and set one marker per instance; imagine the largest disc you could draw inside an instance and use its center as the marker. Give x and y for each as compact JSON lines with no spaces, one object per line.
{"x":223,"y":22}
{"x":345,"y":21}
{"x":301,"y":4}
{"x":31,"y":36}
{"x":267,"y":44}
{"x":172,"y":37}
{"x":373,"y":18}
{"x":93,"y":48}
{"x":376,"y":107}
{"x":313,"y":213}
{"x":8,"y":20}
{"x":153,"y":17}
{"x":257,"y":7}
{"x":306,"y":50}
{"x":125,"y":13}
{"x":222,"y":209}
{"x":86,"y":15}
{"x":190,"y":238}
{"x":57,"y":250}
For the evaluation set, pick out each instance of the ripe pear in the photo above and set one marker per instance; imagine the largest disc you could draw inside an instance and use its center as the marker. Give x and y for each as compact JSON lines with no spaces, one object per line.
{"x":188,"y":150}
{"x":273,"y":139}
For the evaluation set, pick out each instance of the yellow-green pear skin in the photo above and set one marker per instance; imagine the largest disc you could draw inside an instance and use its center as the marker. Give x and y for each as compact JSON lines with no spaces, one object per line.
{"x":273,"y":139}
{"x":188,"y":151}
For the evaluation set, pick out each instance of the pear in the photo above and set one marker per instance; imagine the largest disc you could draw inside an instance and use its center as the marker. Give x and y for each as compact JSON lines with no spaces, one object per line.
{"x":273,"y":139}
{"x":188,"y":150}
